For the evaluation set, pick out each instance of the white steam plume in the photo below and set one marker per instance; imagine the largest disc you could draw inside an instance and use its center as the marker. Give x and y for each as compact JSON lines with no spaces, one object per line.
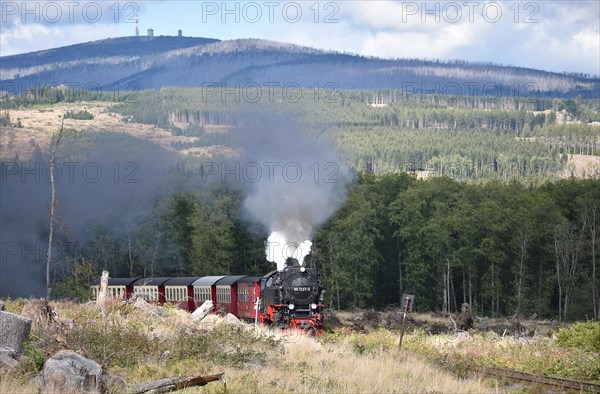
{"x":300,"y":190}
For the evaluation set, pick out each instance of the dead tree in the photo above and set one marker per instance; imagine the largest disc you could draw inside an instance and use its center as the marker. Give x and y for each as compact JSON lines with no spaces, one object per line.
{"x":52,"y":210}
{"x":173,"y":384}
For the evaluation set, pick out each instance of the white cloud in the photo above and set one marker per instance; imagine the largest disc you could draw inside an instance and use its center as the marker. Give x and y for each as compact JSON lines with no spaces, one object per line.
{"x":22,"y":38}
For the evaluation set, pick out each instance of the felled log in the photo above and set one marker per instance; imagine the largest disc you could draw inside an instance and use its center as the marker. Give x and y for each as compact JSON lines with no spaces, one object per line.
{"x":174,"y":384}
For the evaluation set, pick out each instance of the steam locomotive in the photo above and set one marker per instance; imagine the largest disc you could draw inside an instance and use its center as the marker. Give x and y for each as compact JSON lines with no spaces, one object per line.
{"x":291,"y":298}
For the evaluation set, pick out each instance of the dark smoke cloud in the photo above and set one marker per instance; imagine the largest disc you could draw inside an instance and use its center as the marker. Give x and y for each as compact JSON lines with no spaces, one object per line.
{"x":110,"y":180}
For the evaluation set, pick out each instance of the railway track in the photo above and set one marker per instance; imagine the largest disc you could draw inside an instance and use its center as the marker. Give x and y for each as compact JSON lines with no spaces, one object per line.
{"x":539,"y":379}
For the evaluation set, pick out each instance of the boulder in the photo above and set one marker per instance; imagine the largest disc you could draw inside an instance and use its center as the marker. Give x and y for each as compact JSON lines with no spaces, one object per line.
{"x":69,"y":372}
{"x":231,"y":319}
{"x":113,"y":384}
{"x":14,"y":330}
{"x":1,"y":305}
{"x":7,"y":357}
{"x":140,"y":303}
{"x":204,"y":310}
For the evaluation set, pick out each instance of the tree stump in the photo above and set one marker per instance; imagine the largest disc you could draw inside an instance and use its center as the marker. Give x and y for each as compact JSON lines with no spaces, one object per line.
{"x":465,"y":321}
{"x":14,"y":331}
{"x":103,"y":292}
{"x":40,"y":313}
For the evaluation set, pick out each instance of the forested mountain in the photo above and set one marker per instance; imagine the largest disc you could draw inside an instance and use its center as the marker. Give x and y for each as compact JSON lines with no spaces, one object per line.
{"x":154,"y":62}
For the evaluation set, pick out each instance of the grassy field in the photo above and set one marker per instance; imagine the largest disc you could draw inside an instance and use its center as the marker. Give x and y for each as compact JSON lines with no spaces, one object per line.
{"x":133,"y":344}
{"x":358,"y":355}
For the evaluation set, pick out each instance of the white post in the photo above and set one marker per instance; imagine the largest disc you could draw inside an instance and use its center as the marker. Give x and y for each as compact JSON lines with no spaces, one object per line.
{"x":256,"y":306}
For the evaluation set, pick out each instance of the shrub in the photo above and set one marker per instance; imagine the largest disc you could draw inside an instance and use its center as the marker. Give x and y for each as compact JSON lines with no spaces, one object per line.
{"x":79,"y":115}
{"x":582,"y":335}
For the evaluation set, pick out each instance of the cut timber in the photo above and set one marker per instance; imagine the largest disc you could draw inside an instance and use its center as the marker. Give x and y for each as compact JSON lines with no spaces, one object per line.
{"x":174,"y":384}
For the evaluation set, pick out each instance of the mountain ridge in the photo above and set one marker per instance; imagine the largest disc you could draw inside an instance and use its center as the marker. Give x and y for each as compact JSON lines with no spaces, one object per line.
{"x":156,"y":62}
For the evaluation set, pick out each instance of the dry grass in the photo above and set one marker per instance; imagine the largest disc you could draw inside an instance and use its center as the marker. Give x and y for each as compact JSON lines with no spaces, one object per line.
{"x":9,"y":383}
{"x":40,"y":122}
{"x":131,"y":343}
{"x":310,"y":367}
{"x":540,"y":354}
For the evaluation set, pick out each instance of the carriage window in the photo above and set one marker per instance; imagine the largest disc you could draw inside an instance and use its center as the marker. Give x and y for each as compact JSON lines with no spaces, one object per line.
{"x":149,"y":293}
{"x":178,"y":293}
{"x":223,"y":294}
{"x":202,"y":293}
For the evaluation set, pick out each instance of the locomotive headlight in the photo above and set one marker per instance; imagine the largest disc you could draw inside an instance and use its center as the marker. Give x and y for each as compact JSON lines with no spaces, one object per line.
{"x":291,"y":306}
{"x":313,"y":305}
{"x":302,"y":269}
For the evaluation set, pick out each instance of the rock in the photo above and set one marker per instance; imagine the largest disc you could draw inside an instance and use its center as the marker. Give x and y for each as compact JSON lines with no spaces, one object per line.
{"x":113,"y":384}
{"x":1,"y":305}
{"x":7,"y":357}
{"x":204,"y":310}
{"x":553,"y":324}
{"x":231,"y":319}
{"x":67,"y":371}
{"x":140,"y":303}
{"x":14,"y":330}
{"x":483,"y":321}
{"x":210,"y":321}
{"x":533,"y":317}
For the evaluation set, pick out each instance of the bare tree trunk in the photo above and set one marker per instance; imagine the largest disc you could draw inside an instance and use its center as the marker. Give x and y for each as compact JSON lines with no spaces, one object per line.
{"x":52,"y":212}
{"x":592,"y":228}
{"x":400,"y":287}
{"x":464,"y":286}
{"x":470,"y":291}
{"x":448,"y":286}
{"x":493,"y":290}
{"x":154,"y":253}
{"x":453,"y":292}
{"x":523,"y":241}
{"x":558,"y":277}
{"x":445,"y":298}
{"x":129,"y":251}
{"x":337,"y":289}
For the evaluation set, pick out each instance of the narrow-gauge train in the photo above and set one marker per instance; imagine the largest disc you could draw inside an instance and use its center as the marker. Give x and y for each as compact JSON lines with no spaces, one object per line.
{"x":292,"y":298}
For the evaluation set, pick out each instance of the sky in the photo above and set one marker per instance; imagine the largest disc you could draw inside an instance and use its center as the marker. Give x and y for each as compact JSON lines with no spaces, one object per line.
{"x":550,"y":35}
